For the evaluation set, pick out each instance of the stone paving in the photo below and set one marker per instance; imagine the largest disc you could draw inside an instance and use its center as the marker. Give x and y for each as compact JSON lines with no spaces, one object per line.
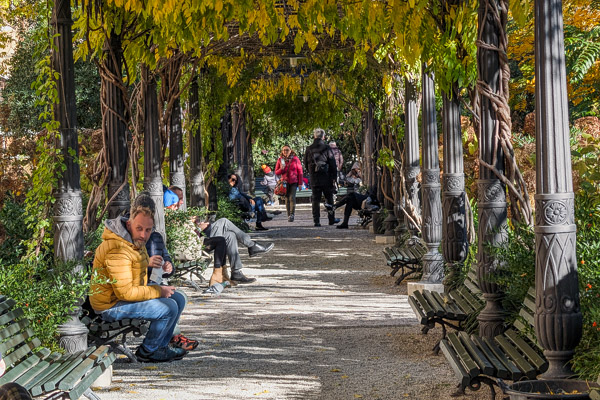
{"x":323,"y":321}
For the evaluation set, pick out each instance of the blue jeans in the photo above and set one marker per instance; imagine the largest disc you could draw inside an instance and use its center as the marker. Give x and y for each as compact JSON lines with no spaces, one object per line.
{"x":259,"y":209}
{"x":162,"y":313}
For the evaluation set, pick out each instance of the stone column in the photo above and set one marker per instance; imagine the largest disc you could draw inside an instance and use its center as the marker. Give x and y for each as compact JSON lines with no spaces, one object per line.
{"x":433,"y":262}
{"x":115,"y":130}
{"x":491,"y":202}
{"x":197,"y":189}
{"x":558,"y":319}
{"x":176,"y":157}
{"x":454,"y":228}
{"x":152,"y":171}
{"x":68,"y":212}
{"x":411,"y":151}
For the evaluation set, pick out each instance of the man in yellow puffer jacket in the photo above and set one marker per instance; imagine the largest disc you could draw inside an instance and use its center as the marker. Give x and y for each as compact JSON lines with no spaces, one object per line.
{"x":123,"y":260}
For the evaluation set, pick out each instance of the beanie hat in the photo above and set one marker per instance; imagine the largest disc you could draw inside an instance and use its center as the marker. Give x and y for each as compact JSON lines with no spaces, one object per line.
{"x":266,"y":169}
{"x":170,"y":198}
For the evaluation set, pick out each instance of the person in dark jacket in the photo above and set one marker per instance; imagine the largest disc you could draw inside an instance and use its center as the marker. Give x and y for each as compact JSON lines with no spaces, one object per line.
{"x":320,"y":164}
{"x":353,"y":201}
{"x":246,"y":202}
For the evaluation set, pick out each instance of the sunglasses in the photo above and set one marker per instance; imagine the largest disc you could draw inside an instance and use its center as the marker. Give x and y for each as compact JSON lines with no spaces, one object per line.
{"x":233,"y":179}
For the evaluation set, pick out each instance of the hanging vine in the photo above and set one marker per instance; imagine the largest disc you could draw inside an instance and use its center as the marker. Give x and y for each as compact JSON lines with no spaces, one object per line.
{"x":512,"y":177}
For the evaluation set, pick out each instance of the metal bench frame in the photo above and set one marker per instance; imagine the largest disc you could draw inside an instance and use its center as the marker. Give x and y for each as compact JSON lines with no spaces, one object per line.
{"x":512,"y":355}
{"x":407,"y":258}
{"x":450,"y":310}
{"x":41,"y":372}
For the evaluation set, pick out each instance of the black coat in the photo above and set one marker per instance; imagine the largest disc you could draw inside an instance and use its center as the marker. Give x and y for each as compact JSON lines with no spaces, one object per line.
{"x":155,"y":246}
{"x":320,"y":151}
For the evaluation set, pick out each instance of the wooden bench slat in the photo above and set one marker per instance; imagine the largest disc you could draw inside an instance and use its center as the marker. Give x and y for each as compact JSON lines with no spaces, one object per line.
{"x":534,"y":357}
{"x":464,"y":356}
{"x":69,"y":381}
{"x":417,"y":309}
{"x":16,"y":340}
{"x":6,"y":304}
{"x":452,"y":311}
{"x":21,"y":351}
{"x":423,"y":302}
{"x":484,"y":364}
{"x":476,"y":303}
{"x":28,"y":379}
{"x":10,"y":330}
{"x":527,"y":331}
{"x":10,"y":316}
{"x":455,"y":363}
{"x":515,"y":373}
{"x":51,"y":383}
{"x":79,"y":388}
{"x":457,"y":296}
{"x":437,"y":307}
{"x":20,"y":369}
{"x":516,"y":357}
{"x":36,"y":387}
{"x":499,"y":369}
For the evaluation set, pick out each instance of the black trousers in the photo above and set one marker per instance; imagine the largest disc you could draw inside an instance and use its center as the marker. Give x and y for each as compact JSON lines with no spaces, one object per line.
{"x":353,"y":201}
{"x":219,"y":245}
{"x":317,"y":192}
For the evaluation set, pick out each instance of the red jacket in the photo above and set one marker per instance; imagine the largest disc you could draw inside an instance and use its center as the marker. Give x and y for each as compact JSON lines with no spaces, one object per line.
{"x":291,"y":172}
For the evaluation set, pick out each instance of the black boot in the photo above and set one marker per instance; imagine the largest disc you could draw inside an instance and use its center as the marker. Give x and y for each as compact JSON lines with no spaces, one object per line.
{"x":260,"y":227}
{"x":343,"y":225}
{"x":260,"y":248}
{"x":239,"y":277}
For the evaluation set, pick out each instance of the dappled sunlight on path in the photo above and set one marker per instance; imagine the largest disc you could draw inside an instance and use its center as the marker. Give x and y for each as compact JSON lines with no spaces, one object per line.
{"x":322,"y":321}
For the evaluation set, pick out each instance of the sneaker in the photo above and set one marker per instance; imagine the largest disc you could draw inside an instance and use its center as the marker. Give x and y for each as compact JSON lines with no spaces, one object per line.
{"x":334,"y":221}
{"x":260,"y":248}
{"x":164,"y":354}
{"x":180,"y":341}
{"x":329,"y":208}
{"x":317,"y":224}
{"x":291,"y":218}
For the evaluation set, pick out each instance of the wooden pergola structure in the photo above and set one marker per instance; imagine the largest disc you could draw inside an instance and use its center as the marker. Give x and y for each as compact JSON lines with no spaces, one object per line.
{"x":558,"y":318}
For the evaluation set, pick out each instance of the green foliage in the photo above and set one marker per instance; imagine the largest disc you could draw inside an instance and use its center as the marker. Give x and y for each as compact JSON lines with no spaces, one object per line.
{"x":229,"y":209}
{"x":586,"y":161}
{"x":14,"y":232}
{"x":587,"y":216}
{"x":45,"y":292}
{"x":181,"y":236}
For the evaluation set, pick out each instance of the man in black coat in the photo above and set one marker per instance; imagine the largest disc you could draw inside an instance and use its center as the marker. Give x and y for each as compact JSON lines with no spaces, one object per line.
{"x":320,"y":164}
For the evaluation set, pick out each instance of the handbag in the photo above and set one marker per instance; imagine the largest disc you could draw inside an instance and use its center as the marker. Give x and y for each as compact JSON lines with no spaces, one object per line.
{"x":281,"y":188}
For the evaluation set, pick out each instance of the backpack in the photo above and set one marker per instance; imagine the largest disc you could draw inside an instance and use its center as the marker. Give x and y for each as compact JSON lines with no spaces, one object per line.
{"x":320,"y":165}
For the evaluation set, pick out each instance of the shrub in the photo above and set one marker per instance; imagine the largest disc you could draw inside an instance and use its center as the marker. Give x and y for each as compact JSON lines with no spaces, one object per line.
{"x":181,"y":238}
{"x":45,"y":292}
{"x":13,"y":230}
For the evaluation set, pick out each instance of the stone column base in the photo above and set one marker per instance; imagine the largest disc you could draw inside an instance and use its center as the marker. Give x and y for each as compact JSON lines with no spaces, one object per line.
{"x":432,"y":287}
{"x":382,"y":239}
{"x":105,"y":380}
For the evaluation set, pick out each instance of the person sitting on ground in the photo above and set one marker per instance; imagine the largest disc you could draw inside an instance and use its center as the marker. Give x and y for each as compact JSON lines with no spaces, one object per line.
{"x":232,"y":234}
{"x":246,"y":202}
{"x":123,"y":260}
{"x":269,"y":182}
{"x":353,"y":201}
{"x":290,"y":168}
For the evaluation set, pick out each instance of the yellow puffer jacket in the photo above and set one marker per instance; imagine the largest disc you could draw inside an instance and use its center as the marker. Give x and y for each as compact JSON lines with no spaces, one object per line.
{"x":119,"y":260}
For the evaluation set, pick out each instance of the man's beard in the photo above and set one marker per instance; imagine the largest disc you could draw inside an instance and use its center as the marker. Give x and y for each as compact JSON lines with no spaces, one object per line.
{"x":139,"y":243}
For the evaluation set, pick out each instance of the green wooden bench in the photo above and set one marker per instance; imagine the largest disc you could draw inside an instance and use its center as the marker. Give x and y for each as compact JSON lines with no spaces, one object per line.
{"x":512,"y":355}
{"x":192,"y":269}
{"x":453,"y":310}
{"x":41,"y":372}
{"x":407,"y":258}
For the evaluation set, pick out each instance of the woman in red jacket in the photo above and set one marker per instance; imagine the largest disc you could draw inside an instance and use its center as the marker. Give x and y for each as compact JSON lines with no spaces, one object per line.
{"x":290,"y":168}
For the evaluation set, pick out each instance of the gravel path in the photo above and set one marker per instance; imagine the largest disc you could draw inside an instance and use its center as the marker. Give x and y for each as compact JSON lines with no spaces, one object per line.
{"x":323,"y":321}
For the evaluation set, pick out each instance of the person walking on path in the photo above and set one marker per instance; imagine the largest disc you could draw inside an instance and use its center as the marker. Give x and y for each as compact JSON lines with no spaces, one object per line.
{"x":289,"y":167}
{"x":339,"y":160}
{"x":232,"y":234}
{"x":320,"y":164}
{"x":122,"y":258}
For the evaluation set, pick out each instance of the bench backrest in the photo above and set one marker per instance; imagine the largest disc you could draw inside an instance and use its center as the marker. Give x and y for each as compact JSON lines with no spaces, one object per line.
{"x":17,"y":340}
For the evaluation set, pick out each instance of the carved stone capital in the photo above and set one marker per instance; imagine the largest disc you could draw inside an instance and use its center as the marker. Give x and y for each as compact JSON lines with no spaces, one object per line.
{"x":431,"y":177}
{"x":178,"y":179}
{"x":453,"y":183}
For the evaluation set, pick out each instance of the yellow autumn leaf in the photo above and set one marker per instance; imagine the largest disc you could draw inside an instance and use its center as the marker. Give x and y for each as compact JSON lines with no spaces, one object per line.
{"x":335,"y":370}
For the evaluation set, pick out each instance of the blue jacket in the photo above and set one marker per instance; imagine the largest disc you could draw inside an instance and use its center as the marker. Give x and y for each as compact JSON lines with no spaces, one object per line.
{"x":155,"y":246}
